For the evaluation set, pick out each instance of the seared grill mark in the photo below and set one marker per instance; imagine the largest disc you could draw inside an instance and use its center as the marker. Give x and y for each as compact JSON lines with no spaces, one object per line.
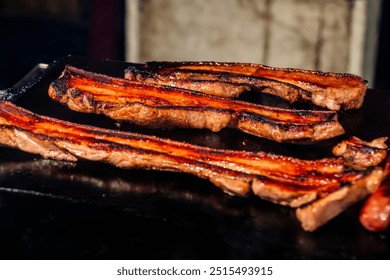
{"x":59,"y":86}
{"x":158,"y":106}
{"x":248,"y":116}
{"x":75,"y":92}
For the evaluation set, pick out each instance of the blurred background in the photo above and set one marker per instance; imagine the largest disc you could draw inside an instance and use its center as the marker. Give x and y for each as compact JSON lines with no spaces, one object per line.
{"x":328,"y":35}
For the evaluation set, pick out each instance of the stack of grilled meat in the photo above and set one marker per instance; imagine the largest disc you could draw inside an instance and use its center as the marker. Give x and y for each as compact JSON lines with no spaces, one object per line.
{"x":202,"y":95}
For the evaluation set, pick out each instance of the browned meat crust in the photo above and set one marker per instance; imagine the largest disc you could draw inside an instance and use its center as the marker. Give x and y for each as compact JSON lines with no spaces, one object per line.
{"x":359,"y":155}
{"x":362,"y":154}
{"x":327,"y":89}
{"x":228,"y":85}
{"x":159,"y":106}
{"x":208,"y":84}
{"x":283,"y":180}
{"x":324,"y":209}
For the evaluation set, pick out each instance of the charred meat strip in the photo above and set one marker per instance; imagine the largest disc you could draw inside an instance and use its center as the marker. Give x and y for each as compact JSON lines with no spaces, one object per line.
{"x":284,"y":180}
{"x":159,"y":106}
{"x":228,"y":85}
{"x":361,"y":154}
{"x":205,"y":84}
{"x":326,"y":208}
{"x":328,"y":89}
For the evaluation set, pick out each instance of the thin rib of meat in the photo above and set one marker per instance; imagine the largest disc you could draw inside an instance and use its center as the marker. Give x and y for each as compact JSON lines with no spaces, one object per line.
{"x":228,"y":85}
{"x":283,"y":180}
{"x":359,"y":155}
{"x":158,"y":106}
{"x":319,"y":212}
{"x":328,"y":89}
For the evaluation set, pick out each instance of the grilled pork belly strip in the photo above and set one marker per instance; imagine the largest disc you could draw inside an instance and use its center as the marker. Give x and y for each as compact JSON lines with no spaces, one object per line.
{"x":204,"y":84}
{"x":328,"y":89}
{"x":359,"y":155}
{"x":228,"y":85}
{"x":159,"y":106}
{"x":324,"y":209}
{"x":283,"y":180}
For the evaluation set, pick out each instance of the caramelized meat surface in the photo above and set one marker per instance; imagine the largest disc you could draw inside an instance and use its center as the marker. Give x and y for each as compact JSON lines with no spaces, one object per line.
{"x":228,"y":85}
{"x":326,"y":89}
{"x":281,"y":179}
{"x":362,"y":154}
{"x":159,"y":106}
